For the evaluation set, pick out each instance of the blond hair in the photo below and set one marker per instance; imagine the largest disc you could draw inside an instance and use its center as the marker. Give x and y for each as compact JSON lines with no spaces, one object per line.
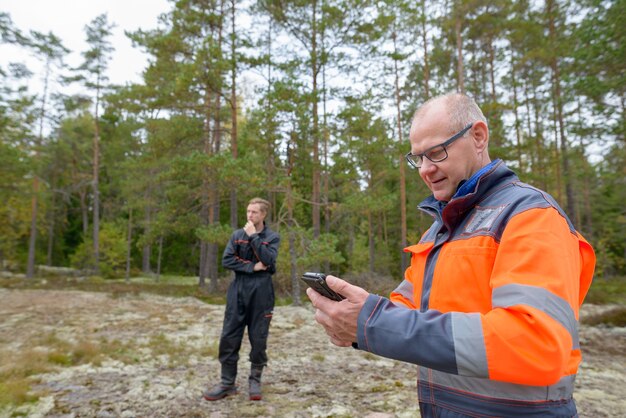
{"x":263,"y":204}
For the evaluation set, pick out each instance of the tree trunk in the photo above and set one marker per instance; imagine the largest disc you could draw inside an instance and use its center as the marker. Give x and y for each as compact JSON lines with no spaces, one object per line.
{"x":558,"y":104}
{"x":426,"y":57}
{"x":529,"y":126}
{"x":269,"y":122}
{"x":587,"y":223}
{"x":214,"y":202}
{"x":203,"y":269}
{"x":492,"y":71}
{"x":518,"y":136}
{"x":539,"y":147}
{"x":204,"y":252}
{"x":32,"y":241}
{"x":233,"y":110}
{"x":129,"y":240}
{"x":371,"y":242}
{"x":556,"y":157}
{"x":316,"y":157}
{"x":213,"y":256}
{"x":403,"y":227}
{"x":326,"y":186}
{"x":205,"y":192}
{"x":159,"y":258}
{"x":84,"y":211}
{"x":146,"y":255}
{"x":459,"y":54}
{"x":293,"y":257}
{"x":30,"y":267}
{"x":494,"y":118}
{"x":51,"y":226}
{"x":96,"y":185}
{"x":326,"y":136}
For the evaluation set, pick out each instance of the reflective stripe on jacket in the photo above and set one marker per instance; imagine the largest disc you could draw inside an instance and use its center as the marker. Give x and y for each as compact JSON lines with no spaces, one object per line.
{"x":243,"y":252}
{"x":494,"y":289}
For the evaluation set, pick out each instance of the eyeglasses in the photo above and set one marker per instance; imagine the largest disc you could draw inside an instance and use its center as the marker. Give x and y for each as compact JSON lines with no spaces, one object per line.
{"x":436,"y":154}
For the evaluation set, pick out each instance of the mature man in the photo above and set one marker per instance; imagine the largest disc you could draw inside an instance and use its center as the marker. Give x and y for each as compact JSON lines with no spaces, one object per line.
{"x":251,"y":253}
{"x":489,"y":305}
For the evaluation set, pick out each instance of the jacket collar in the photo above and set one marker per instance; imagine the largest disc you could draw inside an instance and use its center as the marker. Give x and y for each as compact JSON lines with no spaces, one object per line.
{"x":469,"y":193}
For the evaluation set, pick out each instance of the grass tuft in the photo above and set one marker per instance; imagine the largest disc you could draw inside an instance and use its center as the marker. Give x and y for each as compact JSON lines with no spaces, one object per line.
{"x":48,"y":352}
{"x":318,"y":357}
{"x":607,"y":291}
{"x":17,"y":368}
{"x":210,"y":350}
{"x":15,"y":391}
{"x":614,"y":317}
{"x":120,"y":288}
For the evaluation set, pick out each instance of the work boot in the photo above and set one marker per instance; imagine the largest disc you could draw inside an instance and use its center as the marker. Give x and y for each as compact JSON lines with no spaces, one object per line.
{"x":218,"y":392}
{"x":255,"y":383}
{"x":225,"y":387}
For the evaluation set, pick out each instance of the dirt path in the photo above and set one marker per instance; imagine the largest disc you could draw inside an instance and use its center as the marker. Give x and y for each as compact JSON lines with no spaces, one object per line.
{"x":151,"y":356}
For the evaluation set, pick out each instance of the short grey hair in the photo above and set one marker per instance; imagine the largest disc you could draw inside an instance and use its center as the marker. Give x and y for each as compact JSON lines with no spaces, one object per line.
{"x":462,"y":110}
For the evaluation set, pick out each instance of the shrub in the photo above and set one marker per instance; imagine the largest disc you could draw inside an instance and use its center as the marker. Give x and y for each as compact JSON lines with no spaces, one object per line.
{"x":112,"y":252}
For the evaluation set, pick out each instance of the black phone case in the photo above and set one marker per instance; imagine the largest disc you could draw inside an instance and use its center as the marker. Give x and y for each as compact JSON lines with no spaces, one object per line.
{"x":317,"y":281}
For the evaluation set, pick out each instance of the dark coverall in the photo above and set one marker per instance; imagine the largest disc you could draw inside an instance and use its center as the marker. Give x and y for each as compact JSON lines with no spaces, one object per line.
{"x":250,"y":298}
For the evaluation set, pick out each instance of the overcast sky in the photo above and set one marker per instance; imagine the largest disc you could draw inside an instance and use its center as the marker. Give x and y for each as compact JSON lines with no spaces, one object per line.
{"x":67,"y":20}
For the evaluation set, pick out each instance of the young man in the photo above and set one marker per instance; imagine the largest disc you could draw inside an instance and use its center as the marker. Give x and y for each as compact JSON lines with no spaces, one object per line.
{"x":488,"y":308}
{"x":251,"y":253}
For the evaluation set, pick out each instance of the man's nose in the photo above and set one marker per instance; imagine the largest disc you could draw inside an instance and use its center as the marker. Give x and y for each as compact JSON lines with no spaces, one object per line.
{"x":427,"y":166}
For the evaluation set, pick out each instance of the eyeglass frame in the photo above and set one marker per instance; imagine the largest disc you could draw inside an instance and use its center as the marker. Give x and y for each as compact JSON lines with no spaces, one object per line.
{"x":410,"y":157}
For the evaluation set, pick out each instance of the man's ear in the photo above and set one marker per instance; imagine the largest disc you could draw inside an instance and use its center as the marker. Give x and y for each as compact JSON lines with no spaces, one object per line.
{"x":480,"y":135}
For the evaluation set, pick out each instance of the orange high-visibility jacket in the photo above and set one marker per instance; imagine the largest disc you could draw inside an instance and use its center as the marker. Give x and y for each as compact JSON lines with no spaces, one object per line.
{"x":493,"y":293}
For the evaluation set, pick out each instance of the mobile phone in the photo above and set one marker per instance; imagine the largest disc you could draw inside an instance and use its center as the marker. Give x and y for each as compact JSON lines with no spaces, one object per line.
{"x":317,"y":281}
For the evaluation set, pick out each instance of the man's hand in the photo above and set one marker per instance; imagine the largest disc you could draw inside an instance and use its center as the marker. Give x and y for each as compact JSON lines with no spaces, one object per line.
{"x":249,"y":228}
{"x":339,"y":319}
{"x":259,"y":266}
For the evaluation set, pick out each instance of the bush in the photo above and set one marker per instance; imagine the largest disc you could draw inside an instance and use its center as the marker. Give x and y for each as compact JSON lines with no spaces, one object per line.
{"x":604,"y":291}
{"x":112,"y":252}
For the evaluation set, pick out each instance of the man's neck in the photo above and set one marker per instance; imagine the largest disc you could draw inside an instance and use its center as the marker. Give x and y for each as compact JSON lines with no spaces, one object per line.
{"x":468,"y":185}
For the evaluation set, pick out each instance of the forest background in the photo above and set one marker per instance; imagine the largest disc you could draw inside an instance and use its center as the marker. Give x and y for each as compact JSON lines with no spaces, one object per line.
{"x":151,"y":178}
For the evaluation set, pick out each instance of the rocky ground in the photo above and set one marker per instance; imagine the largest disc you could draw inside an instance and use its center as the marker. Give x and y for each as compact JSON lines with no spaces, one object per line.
{"x":151,"y":356}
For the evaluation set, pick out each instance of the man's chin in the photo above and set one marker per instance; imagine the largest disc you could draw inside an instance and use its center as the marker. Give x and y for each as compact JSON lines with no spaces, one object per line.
{"x":442,"y":195}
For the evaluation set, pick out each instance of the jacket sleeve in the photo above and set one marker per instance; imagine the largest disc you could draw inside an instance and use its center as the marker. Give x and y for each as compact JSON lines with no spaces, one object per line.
{"x":231,"y":259}
{"x":266,"y":250}
{"x":528,"y":336}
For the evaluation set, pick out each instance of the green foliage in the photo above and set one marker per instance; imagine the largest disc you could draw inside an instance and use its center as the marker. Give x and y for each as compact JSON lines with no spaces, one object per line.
{"x":309,"y":252}
{"x":214,"y":233}
{"x":359,"y":256}
{"x":321,"y":250}
{"x":112,"y":252}
{"x":609,"y":255}
{"x":604,"y":291}
{"x":14,"y":226}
